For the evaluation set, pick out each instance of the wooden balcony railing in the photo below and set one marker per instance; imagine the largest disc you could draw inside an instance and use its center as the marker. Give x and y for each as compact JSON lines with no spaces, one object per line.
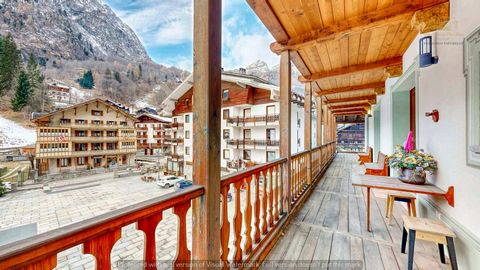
{"x":253,"y":221}
{"x":242,"y":143}
{"x":99,"y":234}
{"x":255,"y":120}
{"x":263,"y":199}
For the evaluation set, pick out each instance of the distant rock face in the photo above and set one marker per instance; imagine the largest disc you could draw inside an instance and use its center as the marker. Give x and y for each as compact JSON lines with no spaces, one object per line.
{"x":260,"y":68}
{"x":70,"y":30}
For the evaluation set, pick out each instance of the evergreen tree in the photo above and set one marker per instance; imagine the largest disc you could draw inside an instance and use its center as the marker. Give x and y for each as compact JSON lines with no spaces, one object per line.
{"x":35,"y":78}
{"x":10,"y":64}
{"x":87,"y":80}
{"x":118,"y":77}
{"x":22,"y":92}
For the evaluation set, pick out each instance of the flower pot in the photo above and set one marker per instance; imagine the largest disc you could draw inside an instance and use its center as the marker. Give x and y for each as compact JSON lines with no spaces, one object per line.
{"x":411,"y":177}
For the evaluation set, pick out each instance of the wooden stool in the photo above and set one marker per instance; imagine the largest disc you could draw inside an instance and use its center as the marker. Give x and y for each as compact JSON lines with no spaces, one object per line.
{"x":428,"y":230}
{"x":399,"y":196}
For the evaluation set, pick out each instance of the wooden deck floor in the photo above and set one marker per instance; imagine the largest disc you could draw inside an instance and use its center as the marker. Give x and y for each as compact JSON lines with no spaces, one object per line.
{"x":331,"y":226}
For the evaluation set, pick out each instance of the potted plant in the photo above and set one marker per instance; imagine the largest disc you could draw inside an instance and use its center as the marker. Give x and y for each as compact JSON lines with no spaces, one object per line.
{"x":413,"y":165}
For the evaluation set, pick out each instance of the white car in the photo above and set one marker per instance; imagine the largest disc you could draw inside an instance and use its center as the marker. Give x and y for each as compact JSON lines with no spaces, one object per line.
{"x":8,"y":186}
{"x":168,"y":181}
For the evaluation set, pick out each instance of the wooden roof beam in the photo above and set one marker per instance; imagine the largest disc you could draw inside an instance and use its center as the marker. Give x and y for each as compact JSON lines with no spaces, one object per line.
{"x":360,"y":112}
{"x":377,"y":86}
{"x":392,"y":14}
{"x":391,"y":66}
{"x":352,"y":99}
{"x":353,"y":107}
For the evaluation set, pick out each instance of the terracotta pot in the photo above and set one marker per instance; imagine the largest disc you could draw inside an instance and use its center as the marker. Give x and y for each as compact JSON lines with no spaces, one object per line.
{"x":408,"y":176}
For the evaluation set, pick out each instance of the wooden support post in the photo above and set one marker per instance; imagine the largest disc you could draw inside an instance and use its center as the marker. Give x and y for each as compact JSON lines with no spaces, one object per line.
{"x":325,"y":124}
{"x":285,"y":124}
{"x":318,"y":110}
{"x":206,"y":130}
{"x":308,"y":129}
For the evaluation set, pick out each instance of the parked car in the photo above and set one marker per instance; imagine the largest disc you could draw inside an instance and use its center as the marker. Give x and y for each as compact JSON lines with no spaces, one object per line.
{"x":8,"y":186}
{"x":183,"y":184}
{"x":167,"y":181}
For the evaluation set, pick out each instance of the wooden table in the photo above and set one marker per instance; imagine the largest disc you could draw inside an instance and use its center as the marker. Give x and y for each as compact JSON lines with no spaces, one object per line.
{"x":392,"y":183}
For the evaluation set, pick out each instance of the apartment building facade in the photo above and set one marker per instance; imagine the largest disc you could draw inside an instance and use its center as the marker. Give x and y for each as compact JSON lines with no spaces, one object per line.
{"x":87,"y":135}
{"x":151,"y":133}
{"x":250,"y":123}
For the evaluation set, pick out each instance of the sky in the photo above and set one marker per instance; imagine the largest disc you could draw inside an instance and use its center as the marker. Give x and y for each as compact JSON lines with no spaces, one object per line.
{"x":166,"y":29}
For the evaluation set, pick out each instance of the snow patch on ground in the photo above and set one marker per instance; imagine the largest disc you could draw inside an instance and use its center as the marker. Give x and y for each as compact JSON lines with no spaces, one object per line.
{"x":12,"y":134}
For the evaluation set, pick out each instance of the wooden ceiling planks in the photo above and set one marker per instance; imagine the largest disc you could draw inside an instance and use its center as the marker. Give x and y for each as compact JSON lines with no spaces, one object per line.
{"x":346,"y":47}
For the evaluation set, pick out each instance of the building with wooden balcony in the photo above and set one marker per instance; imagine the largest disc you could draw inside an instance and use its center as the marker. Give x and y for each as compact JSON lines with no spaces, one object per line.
{"x":250,"y":121}
{"x":356,"y":58}
{"x":152,"y":133}
{"x":87,"y":135}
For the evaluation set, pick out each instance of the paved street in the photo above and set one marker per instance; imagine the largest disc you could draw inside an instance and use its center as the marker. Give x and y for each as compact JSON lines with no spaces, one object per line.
{"x":69,"y":204}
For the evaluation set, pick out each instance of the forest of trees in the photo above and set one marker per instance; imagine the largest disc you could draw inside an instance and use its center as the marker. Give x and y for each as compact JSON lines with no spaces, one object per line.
{"x":25,"y":84}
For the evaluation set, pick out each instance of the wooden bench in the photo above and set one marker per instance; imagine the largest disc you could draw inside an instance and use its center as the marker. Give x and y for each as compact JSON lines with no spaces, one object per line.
{"x":378,"y":168}
{"x":366,"y":157}
{"x":428,"y":230}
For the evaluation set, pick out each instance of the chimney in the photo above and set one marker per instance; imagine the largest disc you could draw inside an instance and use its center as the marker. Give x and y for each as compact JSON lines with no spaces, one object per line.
{"x":242,"y":71}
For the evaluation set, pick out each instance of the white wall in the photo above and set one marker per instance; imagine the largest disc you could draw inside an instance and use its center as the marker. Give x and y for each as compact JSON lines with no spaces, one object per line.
{"x":442,"y":87}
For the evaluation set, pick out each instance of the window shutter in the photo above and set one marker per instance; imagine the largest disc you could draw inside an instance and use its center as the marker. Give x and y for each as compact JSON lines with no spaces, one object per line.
{"x":58,"y":163}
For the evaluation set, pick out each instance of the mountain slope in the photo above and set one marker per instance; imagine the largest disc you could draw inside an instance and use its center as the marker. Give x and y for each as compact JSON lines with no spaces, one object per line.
{"x":69,"y":37}
{"x":70,"y":29}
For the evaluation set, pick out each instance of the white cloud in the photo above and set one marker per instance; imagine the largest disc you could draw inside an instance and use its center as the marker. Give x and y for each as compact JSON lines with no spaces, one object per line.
{"x":161,"y":22}
{"x":170,"y":22}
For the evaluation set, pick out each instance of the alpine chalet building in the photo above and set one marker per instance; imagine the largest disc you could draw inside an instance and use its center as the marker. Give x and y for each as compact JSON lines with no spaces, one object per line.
{"x":87,"y":135}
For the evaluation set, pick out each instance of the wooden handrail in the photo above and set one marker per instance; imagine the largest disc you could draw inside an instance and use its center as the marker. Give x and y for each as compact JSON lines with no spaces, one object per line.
{"x":231,"y":178}
{"x":43,"y":248}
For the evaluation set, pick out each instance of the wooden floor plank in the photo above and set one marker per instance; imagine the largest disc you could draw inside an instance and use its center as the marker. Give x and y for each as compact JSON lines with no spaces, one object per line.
{"x":297,"y":243}
{"x":373,"y":260}
{"x":356,"y":250}
{"x":353,"y":216}
{"x":331,"y":225}
{"x":388,"y":258}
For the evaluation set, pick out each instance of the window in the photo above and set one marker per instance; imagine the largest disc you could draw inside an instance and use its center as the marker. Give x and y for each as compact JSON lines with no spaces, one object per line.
{"x":271,"y":156}
{"x":472,"y":66}
{"x":64,"y":121}
{"x":81,"y":161}
{"x":271,"y":110}
{"x":226,"y":114}
{"x":97,"y":113}
{"x":226,"y":134}
{"x":64,"y":162}
{"x":247,"y":112}
{"x":111,"y":123}
{"x":225,"y":94}
{"x":187,"y":134}
{"x":123,"y":123}
{"x":226,"y":154}
{"x":187,"y":118}
{"x":187,"y":151}
{"x":97,"y":134}
{"x":80,"y":121}
{"x":247,"y":154}
{"x":187,"y":102}
{"x":97,"y":146}
{"x":271,"y":134}
{"x":96,"y":122}
{"x":247,"y":134}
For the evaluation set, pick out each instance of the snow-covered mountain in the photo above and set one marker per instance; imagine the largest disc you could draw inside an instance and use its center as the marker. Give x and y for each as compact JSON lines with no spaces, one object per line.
{"x":70,"y":29}
{"x":261,"y":69}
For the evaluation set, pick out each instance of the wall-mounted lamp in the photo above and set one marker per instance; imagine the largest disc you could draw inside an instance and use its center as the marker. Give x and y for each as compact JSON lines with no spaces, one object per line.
{"x":434,"y":114}
{"x":426,"y":52}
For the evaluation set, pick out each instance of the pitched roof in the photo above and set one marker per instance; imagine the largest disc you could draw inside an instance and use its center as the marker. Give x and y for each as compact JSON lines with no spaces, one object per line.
{"x":168,"y":104}
{"x":156,"y":117}
{"x":36,"y":118}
